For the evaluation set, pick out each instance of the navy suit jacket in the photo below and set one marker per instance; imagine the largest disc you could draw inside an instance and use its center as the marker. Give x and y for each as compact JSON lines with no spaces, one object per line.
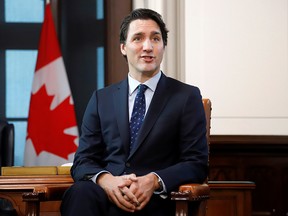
{"x":171,"y":142}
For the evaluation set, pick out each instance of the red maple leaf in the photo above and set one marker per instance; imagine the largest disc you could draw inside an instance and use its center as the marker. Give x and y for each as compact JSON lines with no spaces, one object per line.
{"x":46,"y":127}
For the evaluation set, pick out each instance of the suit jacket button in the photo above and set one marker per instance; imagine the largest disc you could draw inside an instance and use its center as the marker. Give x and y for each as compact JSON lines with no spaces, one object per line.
{"x":128,"y":165}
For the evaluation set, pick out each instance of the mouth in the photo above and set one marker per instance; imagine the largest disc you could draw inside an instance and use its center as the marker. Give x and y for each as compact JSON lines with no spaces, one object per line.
{"x":147,"y":58}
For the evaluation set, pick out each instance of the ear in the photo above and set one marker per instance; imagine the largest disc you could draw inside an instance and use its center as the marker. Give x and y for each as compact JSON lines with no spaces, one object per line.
{"x":123,"y":49}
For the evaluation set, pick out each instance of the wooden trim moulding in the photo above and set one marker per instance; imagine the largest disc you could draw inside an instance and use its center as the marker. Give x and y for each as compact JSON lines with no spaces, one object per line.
{"x":251,"y":144}
{"x":248,"y":139}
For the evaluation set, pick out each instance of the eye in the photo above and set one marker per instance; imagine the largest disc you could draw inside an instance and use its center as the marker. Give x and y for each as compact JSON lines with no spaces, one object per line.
{"x":137,"y":39}
{"x":157,"y":39}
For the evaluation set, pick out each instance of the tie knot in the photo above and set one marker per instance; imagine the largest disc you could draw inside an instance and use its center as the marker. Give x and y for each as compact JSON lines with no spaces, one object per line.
{"x":142,"y":88}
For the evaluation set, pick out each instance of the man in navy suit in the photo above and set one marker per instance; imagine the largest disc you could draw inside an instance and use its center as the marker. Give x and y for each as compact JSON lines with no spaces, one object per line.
{"x":111,"y":177}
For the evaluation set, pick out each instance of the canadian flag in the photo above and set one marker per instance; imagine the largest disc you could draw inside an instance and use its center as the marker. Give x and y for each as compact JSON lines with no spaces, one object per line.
{"x":52,"y":133}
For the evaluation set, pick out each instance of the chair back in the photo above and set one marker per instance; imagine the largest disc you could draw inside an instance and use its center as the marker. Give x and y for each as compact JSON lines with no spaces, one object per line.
{"x":207,"y":108}
{"x":6,"y":144}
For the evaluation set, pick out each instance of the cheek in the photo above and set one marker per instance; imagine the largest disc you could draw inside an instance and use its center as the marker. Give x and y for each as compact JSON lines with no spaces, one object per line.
{"x":160,"y":54}
{"x":132,"y":51}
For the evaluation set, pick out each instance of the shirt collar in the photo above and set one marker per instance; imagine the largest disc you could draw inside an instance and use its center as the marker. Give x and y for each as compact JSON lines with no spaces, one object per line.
{"x":151,"y":83}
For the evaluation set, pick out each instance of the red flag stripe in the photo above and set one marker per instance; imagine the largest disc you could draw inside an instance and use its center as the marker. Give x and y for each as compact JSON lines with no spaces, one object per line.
{"x":48,"y":36}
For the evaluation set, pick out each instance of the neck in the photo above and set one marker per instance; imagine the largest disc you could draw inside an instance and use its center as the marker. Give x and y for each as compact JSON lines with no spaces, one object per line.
{"x":142,"y":77}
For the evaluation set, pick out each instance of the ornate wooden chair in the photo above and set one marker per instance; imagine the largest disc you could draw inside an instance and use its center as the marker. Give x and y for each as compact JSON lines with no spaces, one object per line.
{"x":190,"y":197}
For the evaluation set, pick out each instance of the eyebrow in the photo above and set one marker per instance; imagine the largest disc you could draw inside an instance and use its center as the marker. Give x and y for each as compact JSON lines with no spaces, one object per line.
{"x":152,"y":33}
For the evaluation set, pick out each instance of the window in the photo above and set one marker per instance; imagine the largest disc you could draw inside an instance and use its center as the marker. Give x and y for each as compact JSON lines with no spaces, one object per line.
{"x":20,"y":23}
{"x":20,"y":26}
{"x":19,"y":71}
{"x":19,"y":11}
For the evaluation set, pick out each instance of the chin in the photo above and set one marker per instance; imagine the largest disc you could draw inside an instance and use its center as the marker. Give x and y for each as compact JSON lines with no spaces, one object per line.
{"x":149,"y":73}
{"x":149,"y":69}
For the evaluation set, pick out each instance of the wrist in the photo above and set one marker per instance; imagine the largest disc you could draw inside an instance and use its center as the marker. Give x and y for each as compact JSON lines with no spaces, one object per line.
{"x":102,"y":178}
{"x":158,"y":185}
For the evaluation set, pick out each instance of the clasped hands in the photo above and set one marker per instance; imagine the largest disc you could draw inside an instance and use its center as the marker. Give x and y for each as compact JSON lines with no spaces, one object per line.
{"x":129,"y":192}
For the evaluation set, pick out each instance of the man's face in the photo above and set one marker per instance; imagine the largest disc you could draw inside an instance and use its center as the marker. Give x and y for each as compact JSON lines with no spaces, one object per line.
{"x":144,"y":48}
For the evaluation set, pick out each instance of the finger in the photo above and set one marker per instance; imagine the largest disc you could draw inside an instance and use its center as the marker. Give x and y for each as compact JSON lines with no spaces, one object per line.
{"x":134,"y":188}
{"x":137,"y":204}
{"x":132,"y":177}
{"x":143,"y":200}
{"x":126,"y":192}
{"x":126,"y":181}
{"x":126,"y":207}
{"x":141,"y":205}
{"x":122,"y":203}
{"x":127,"y":199}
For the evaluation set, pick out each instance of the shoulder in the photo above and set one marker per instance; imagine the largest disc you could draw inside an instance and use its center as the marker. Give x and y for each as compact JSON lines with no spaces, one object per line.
{"x":108,"y":90}
{"x":180,"y":87}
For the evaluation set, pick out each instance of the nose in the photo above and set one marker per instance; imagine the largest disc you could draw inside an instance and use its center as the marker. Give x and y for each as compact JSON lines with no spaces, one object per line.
{"x":147,"y":45}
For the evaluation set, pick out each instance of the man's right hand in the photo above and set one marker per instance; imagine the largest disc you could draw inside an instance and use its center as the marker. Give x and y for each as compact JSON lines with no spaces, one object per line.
{"x":117,"y":189}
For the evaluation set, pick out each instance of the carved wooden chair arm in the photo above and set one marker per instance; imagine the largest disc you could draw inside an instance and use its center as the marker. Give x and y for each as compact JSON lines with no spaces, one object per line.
{"x":40,"y":194}
{"x":191,"y":192}
{"x":46,"y":193}
{"x":197,"y":194}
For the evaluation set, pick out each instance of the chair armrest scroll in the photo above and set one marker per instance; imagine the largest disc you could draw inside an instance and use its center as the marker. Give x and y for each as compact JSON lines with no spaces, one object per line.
{"x":46,"y":193}
{"x":192,"y":192}
{"x":40,"y":194}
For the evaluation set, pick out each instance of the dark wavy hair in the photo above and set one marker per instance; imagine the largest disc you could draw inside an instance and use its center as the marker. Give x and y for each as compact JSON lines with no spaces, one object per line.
{"x":143,"y":14}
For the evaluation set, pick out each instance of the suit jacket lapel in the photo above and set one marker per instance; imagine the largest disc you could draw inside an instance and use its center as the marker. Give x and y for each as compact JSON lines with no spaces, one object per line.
{"x":120,"y":98}
{"x":158,"y":103}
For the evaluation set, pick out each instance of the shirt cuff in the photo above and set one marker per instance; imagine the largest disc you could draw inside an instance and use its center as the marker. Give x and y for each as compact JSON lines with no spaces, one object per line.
{"x":164,"y":191}
{"x":94,"y":178}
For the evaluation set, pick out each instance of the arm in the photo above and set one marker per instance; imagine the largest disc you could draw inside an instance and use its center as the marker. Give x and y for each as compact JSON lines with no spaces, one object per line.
{"x":192,"y":155}
{"x":88,"y":158}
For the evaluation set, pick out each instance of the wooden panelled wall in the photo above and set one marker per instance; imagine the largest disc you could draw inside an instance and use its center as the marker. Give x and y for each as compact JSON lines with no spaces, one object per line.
{"x":116,"y":67}
{"x":261,"y":159}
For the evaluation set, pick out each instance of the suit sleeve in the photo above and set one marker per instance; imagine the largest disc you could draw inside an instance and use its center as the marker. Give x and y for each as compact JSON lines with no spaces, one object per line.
{"x":88,"y":158}
{"x":192,"y":165}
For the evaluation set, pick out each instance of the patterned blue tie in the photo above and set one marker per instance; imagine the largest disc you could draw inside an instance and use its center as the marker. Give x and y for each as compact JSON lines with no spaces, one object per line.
{"x":138,"y":113}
